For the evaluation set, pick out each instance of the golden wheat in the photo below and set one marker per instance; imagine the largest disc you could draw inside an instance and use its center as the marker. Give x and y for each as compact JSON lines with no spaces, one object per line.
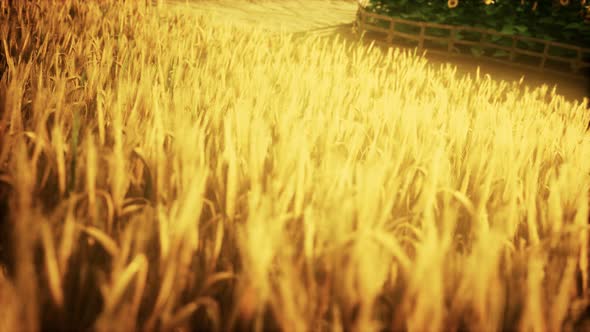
{"x":167,"y":172}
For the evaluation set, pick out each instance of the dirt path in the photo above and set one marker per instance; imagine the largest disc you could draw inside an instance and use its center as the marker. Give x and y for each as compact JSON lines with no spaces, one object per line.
{"x":331,"y":17}
{"x":292,"y":15}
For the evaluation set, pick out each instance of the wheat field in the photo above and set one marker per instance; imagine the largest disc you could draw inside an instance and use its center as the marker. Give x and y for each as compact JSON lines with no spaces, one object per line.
{"x":161,"y":171}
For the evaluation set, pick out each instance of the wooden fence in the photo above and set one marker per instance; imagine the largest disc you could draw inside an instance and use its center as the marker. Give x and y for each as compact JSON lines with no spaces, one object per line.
{"x":570,"y":66}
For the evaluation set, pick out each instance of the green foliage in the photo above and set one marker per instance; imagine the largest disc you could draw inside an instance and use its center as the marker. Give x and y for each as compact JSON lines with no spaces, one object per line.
{"x":558,"y":23}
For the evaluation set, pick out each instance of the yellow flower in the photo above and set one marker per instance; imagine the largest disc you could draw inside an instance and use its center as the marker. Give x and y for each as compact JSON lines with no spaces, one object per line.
{"x":453,"y":3}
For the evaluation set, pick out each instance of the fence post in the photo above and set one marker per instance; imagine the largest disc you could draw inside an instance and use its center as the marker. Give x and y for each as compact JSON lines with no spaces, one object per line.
{"x":513,"y":49}
{"x":362,"y":20}
{"x":545,"y":53}
{"x":421,"y":41}
{"x":452,"y":41}
{"x":390,"y":32}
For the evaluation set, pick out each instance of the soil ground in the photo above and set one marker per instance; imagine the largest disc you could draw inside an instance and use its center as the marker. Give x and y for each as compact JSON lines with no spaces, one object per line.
{"x":335,"y":17}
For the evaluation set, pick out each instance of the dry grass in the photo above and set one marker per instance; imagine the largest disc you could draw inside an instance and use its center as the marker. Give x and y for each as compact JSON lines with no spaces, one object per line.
{"x":160,"y":171}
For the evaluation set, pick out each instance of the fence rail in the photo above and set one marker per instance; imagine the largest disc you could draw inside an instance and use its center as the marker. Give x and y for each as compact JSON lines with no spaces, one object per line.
{"x":575,"y":64}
